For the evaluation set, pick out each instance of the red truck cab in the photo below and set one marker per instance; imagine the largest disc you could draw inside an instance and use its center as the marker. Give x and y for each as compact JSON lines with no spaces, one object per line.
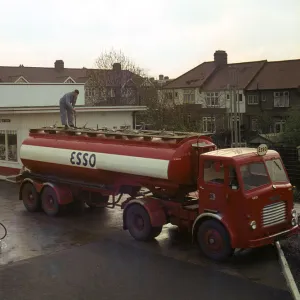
{"x":250,"y":196}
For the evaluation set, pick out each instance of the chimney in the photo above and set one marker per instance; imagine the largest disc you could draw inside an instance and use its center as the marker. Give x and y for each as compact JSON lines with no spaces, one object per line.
{"x":166,"y":78}
{"x":220,"y":58}
{"x":151,"y":78}
{"x":117,"y":67}
{"x":59,"y":65}
{"x":161,"y":77}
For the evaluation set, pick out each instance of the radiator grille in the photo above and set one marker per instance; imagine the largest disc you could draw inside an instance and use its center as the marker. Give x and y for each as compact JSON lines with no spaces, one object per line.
{"x":273,"y":214}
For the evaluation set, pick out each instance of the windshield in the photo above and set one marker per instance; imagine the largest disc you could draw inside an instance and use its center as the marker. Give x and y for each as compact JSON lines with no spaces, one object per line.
{"x":254,"y":175}
{"x":276,"y":170}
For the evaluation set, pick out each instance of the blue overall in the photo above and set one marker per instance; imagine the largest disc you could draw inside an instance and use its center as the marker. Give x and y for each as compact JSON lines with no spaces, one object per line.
{"x":66,"y":104}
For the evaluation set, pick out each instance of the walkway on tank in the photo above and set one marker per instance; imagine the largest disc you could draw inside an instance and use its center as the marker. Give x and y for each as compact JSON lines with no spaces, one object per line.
{"x":34,"y":235}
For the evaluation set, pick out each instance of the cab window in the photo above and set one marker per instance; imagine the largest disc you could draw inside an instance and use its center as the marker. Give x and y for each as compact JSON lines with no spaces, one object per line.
{"x":213,"y":172}
{"x":254,"y":175}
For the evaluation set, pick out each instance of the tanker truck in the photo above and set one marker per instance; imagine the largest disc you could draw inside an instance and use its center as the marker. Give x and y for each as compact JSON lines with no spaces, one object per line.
{"x":227,"y":199}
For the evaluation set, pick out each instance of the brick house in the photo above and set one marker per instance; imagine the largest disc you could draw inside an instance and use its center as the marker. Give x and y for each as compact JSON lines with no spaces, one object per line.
{"x":260,"y":89}
{"x":271,"y":94}
{"x":209,"y":91}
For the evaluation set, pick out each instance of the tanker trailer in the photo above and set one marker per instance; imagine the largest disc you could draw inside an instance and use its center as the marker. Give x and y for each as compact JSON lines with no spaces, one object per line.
{"x":97,"y":164}
{"x":244,"y":199}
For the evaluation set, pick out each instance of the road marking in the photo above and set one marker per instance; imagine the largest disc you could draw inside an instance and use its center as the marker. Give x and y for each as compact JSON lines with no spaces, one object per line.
{"x":288,"y":274}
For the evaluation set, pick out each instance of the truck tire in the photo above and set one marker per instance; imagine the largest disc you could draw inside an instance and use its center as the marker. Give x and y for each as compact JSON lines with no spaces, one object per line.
{"x":139,"y":224}
{"x":30,"y":197}
{"x":214,"y":240}
{"x":50,"y":203}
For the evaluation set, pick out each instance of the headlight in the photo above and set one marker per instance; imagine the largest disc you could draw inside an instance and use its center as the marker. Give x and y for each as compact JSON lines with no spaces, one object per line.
{"x":253,"y":225}
{"x":294,"y":213}
{"x":294,"y":222}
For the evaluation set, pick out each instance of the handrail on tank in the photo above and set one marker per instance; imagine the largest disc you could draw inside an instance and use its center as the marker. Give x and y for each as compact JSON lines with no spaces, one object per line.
{"x":146,"y":135}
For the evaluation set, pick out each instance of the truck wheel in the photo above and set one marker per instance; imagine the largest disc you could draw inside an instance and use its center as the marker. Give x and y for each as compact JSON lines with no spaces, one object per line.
{"x":139,"y":224}
{"x":50,"y":203}
{"x":30,"y":197}
{"x":214,"y":240}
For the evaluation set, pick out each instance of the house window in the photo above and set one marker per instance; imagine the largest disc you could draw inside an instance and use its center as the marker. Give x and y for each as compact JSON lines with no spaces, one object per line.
{"x":254,"y":124}
{"x":281,"y":99}
{"x":212,"y":100}
{"x":252,"y":99}
{"x":176,"y":95}
{"x":209,"y":124}
{"x":279,"y":126}
{"x":168,"y":95}
{"x":8,"y":145}
{"x":90,"y":92}
{"x":189,"y":96}
{"x":111,"y":92}
{"x":238,"y":97}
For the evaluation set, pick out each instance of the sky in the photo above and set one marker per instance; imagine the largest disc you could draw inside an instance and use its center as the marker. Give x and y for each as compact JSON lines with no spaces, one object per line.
{"x":166,"y":37}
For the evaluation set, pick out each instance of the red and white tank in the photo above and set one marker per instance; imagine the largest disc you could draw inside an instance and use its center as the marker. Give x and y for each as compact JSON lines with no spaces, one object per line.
{"x":100,"y":157}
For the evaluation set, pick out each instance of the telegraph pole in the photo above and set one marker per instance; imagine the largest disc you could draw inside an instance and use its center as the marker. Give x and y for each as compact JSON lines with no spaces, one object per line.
{"x":230,"y":113}
{"x":235,"y":119}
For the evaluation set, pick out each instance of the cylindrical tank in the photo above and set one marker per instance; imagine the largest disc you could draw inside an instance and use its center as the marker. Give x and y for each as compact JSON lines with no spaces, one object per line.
{"x":113,"y":159}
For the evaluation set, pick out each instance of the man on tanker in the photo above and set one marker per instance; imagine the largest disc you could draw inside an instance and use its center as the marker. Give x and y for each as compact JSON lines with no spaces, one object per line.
{"x":66,"y":105}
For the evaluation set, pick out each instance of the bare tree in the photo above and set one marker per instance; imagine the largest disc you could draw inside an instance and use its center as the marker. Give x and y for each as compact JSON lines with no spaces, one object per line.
{"x":114,"y":81}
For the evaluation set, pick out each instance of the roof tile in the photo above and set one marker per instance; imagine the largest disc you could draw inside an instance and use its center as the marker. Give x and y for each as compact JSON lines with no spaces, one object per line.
{"x":238,"y":75}
{"x":278,"y":75}
{"x":193,"y":78}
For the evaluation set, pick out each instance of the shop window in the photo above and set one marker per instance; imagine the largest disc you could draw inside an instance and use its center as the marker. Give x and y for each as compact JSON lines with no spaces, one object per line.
{"x":8,"y":145}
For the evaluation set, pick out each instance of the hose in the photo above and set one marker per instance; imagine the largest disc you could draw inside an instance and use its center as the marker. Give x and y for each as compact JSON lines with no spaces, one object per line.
{"x":5,"y":232}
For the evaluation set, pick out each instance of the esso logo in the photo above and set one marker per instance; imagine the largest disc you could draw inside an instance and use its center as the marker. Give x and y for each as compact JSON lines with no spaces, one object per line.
{"x":262,"y":149}
{"x":83,"y":159}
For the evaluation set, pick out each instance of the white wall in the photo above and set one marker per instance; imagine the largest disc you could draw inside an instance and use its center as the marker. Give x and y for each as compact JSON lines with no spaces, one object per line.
{"x":23,"y":122}
{"x":16,"y":95}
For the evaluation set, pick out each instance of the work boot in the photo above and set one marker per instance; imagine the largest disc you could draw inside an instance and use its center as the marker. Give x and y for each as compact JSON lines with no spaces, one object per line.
{"x":67,"y":127}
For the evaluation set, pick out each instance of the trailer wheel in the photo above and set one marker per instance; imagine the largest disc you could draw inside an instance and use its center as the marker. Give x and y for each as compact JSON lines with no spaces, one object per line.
{"x":214,"y":240}
{"x":50,"y":203}
{"x":139,"y":224}
{"x":30,"y":197}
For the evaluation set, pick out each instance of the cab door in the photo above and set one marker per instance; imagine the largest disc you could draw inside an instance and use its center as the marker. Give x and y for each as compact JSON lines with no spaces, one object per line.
{"x":235,"y":201}
{"x":212,"y":190}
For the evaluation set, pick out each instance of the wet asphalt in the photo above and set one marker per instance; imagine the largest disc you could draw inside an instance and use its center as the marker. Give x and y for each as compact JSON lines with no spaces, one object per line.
{"x":89,"y":256}
{"x":111,"y":270}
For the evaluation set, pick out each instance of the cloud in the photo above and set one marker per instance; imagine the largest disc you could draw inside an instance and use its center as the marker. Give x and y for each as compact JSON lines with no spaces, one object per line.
{"x":166,"y":36}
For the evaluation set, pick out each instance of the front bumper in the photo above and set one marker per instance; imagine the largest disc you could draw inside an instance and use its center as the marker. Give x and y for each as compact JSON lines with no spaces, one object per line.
{"x":273,"y":238}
